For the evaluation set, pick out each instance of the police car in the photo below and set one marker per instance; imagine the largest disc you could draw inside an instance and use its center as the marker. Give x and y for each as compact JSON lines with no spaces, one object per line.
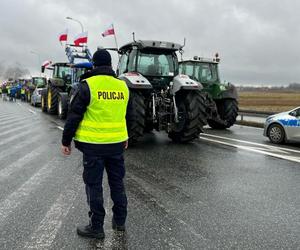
{"x":283,"y":127}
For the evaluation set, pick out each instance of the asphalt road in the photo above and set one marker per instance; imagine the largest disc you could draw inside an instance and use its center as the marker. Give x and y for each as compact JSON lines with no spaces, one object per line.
{"x":228,"y":190}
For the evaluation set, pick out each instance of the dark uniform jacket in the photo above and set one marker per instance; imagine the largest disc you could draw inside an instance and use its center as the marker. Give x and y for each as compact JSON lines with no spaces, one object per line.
{"x":78,"y":105}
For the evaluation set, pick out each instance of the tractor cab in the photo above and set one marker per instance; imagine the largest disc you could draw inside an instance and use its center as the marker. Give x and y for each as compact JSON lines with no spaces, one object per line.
{"x":62,"y":71}
{"x":204,"y":70}
{"x":155,"y":60}
{"x":39,"y":82}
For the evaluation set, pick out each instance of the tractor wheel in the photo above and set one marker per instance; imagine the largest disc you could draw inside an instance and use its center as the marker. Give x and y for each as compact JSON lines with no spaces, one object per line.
{"x":62,"y":106}
{"x":228,"y":111}
{"x":276,"y":133}
{"x":136,"y":127}
{"x":52,"y":99}
{"x":44,"y":100}
{"x":192,"y":117}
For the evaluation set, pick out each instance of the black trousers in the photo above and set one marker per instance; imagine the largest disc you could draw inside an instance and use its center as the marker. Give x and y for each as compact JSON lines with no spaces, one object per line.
{"x":93,"y":176}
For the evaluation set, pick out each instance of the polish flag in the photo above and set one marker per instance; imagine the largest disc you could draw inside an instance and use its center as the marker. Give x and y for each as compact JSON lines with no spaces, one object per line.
{"x":110,"y":31}
{"x":46,"y":63}
{"x":81,"y":38}
{"x":63,"y":36}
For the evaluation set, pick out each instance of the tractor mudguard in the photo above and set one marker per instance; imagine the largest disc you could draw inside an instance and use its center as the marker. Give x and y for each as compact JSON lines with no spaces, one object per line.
{"x":229,"y":93}
{"x":184,"y":82}
{"x":135,"y":81}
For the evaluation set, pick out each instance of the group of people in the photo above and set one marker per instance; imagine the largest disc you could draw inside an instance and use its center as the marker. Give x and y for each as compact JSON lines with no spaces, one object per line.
{"x":11,"y":92}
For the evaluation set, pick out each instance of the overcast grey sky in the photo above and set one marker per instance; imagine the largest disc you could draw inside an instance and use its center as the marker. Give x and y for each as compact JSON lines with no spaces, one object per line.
{"x":258,"y":40}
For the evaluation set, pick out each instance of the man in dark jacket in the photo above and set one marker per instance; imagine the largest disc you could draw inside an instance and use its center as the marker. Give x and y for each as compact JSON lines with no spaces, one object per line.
{"x":97,"y":122}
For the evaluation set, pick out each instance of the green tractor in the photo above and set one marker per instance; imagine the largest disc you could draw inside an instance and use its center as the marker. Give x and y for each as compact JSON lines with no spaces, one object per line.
{"x":163,"y":100}
{"x":221,"y":99}
{"x":59,"y":82}
{"x":32,"y":84}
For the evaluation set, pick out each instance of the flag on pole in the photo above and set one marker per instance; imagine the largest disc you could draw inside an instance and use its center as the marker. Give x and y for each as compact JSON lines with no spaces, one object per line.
{"x":46,"y":63}
{"x":81,"y":38}
{"x":109,"y":31}
{"x":63,"y":36}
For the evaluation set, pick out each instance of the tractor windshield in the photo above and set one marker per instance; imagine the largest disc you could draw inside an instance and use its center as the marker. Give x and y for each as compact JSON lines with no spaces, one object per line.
{"x":206,"y":72}
{"x":62,"y":72}
{"x":39,"y":82}
{"x":156,"y":64}
{"x":202,"y":72}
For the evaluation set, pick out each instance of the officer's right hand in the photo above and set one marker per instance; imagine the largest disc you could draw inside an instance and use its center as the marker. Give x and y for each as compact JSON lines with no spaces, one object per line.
{"x":66,"y":150}
{"x":126,"y":144}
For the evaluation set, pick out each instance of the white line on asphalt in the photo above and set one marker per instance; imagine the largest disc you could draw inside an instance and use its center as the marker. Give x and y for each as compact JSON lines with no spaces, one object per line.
{"x":14,"y":120}
{"x":31,"y":111}
{"x":60,"y":128}
{"x":20,"y":196}
{"x":16,"y":124}
{"x":284,"y":157}
{"x":16,"y":165}
{"x":252,"y":143}
{"x":8,"y":151}
{"x":44,"y":235}
{"x":20,"y":127}
{"x":9,"y":139}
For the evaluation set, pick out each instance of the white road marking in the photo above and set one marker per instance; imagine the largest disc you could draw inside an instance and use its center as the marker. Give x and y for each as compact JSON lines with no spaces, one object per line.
{"x":21,"y":144}
{"x":44,"y":235}
{"x":11,"y":138}
{"x":284,"y":157}
{"x":20,"y":196}
{"x":20,"y":127}
{"x":16,"y":165}
{"x":31,"y":111}
{"x":16,"y":124}
{"x":13,"y":120}
{"x":60,"y":128}
{"x":252,"y":143}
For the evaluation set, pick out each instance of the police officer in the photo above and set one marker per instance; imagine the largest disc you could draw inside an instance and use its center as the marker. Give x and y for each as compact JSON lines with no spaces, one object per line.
{"x":97,"y":121}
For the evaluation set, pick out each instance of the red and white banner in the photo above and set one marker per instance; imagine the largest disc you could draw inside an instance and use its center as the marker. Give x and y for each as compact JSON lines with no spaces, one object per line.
{"x":63,"y":36}
{"x":109,"y":31}
{"x":46,"y":63}
{"x":81,"y":38}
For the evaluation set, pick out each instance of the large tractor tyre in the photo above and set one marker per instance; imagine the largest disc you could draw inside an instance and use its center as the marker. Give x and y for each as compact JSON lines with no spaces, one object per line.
{"x":136,"y":127}
{"x":228,"y":112}
{"x":44,"y":100}
{"x":192,"y":117}
{"x":52,"y":99}
{"x":62,"y":106}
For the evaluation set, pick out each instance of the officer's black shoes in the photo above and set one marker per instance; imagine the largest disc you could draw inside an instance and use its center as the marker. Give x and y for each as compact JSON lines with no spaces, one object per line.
{"x":120,"y":228}
{"x":88,"y":231}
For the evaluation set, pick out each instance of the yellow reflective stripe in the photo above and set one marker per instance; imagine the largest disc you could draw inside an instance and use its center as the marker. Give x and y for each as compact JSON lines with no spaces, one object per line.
{"x":102,"y":135}
{"x":102,"y":124}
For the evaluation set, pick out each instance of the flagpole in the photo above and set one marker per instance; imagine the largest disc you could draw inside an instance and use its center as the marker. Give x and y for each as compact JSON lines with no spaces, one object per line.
{"x":116,"y":40}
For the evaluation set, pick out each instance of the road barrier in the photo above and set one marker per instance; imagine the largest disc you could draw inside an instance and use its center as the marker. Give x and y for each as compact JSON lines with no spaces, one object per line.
{"x":253,"y":113}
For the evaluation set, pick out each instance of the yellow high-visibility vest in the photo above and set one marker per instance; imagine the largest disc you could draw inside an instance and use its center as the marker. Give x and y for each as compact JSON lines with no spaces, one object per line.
{"x":104,"y":121}
{"x":22,"y":91}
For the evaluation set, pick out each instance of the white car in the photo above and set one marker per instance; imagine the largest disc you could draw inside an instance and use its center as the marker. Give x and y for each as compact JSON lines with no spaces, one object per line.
{"x":283,"y":127}
{"x":36,"y":97}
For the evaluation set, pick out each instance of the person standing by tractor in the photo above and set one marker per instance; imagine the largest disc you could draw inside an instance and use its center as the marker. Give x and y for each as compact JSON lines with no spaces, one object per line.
{"x":97,"y":118}
{"x":23,"y":93}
